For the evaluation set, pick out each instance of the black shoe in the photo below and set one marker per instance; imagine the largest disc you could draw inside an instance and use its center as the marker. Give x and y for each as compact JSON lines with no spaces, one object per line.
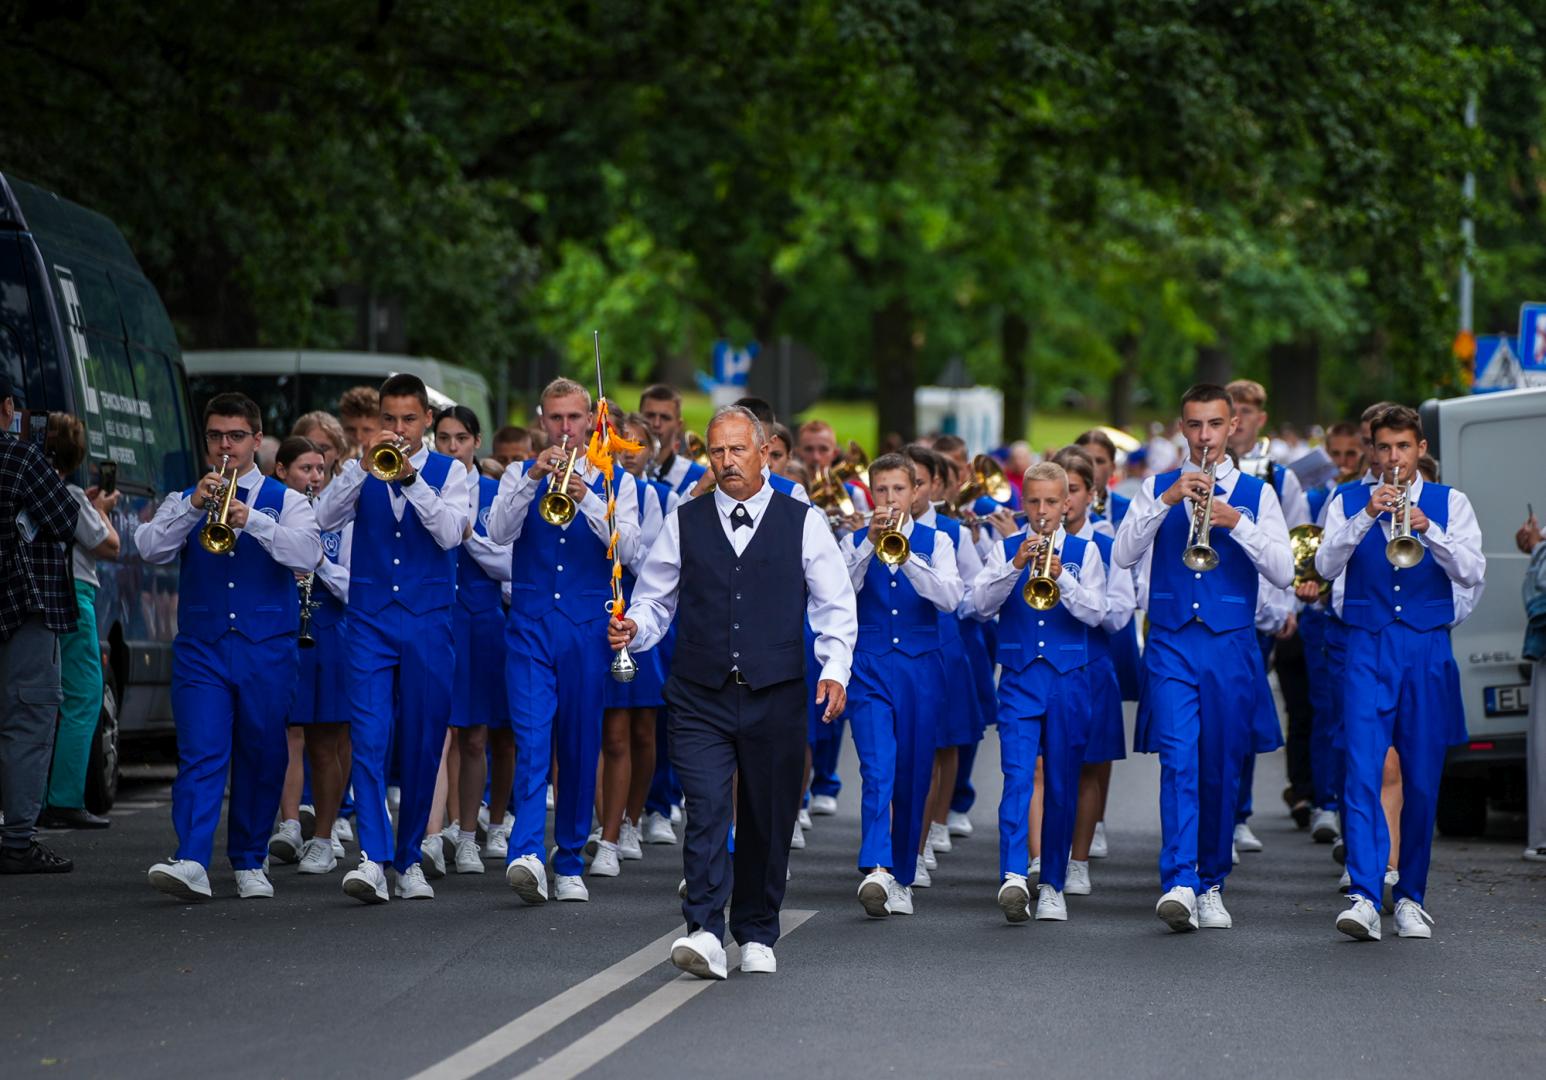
{"x":33,"y":859}
{"x":1300,"y":812}
{"x":70,"y":817}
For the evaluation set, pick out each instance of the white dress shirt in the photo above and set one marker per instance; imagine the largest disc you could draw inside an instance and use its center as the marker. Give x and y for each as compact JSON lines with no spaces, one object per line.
{"x":1293,"y":501}
{"x":654,"y":519}
{"x":1082,"y":593}
{"x":1264,"y":541}
{"x":968,"y":565}
{"x":335,"y":576}
{"x":936,"y":578}
{"x":1456,"y":548}
{"x":517,"y":489}
{"x":294,"y":541}
{"x":830,"y":603}
{"x":493,"y":559}
{"x":443,"y":513}
{"x":1121,"y":593}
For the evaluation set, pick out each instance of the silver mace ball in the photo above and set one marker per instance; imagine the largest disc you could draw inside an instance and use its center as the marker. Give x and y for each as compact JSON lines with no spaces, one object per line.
{"x":623,"y":666}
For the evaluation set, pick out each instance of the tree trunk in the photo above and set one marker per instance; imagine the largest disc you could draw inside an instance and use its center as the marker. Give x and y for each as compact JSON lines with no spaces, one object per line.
{"x":1014,"y":343}
{"x":1119,"y":405}
{"x":1293,"y":369}
{"x":895,"y":361}
{"x":1214,"y":363}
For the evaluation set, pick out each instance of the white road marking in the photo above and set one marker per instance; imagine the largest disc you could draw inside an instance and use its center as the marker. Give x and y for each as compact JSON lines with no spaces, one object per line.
{"x":612,"y":1035}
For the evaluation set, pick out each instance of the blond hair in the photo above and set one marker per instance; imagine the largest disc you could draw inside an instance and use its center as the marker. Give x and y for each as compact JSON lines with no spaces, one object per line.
{"x":564,"y":387}
{"x":1248,"y":392}
{"x":1048,"y":470}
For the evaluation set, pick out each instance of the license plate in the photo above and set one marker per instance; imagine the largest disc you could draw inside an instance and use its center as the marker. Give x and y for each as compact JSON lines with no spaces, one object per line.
{"x":1513,"y":700}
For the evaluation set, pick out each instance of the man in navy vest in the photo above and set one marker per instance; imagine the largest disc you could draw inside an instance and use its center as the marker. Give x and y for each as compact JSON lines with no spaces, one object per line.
{"x":400,"y":659}
{"x":1202,"y":653}
{"x":234,"y":660}
{"x":1400,"y":685}
{"x":560,"y":583}
{"x":740,"y":571}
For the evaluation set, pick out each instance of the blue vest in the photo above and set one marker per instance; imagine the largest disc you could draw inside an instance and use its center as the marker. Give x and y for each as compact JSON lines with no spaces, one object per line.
{"x":475,"y":590}
{"x":747,"y":610}
{"x":1317,"y":499}
{"x":1116,"y":509}
{"x":782,"y":484}
{"x":1223,"y":598}
{"x":690,"y":478}
{"x":398,"y":562}
{"x":245,"y":590}
{"x":1026,"y":635}
{"x":329,"y":609}
{"x":1376,"y":594}
{"x":949,"y":622}
{"x":643,"y":489}
{"x":562,"y":570}
{"x":892,"y":616}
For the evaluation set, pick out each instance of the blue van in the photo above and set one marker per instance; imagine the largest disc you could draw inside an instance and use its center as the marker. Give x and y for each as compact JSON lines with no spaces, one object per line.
{"x":83,"y":331}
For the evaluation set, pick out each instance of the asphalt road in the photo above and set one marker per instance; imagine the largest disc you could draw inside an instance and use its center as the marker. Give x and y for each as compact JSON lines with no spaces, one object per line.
{"x":101,"y":976}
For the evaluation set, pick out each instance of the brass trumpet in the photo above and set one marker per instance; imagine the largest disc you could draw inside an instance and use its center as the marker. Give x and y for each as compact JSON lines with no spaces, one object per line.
{"x":1403,"y":551}
{"x":828,"y":493}
{"x":217,"y":537}
{"x":386,"y":462}
{"x":1199,"y":554}
{"x":557,"y":507}
{"x":1304,"y":541}
{"x":987,"y":478}
{"x":697,"y":449}
{"x":1041,"y":591}
{"x":893,"y":548}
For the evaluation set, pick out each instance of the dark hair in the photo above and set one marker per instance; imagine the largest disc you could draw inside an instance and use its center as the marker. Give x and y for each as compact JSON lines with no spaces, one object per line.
{"x":405,"y":385}
{"x":1428,"y":465}
{"x":888,"y":462}
{"x":1345,"y":429}
{"x":1076,"y":462}
{"x":1368,"y":415}
{"x":511,"y":433}
{"x":782,"y":434}
{"x":761,"y":408}
{"x":928,"y":459}
{"x":293,"y":447}
{"x":1397,"y":418}
{"x":946,"y":444}
{"x":1204,"y":392}
{"x":235,"y":405}
{"x":65,"y":442}
{"x":359,"y":401}
{"x":662,"y":392}
{"x":1097,"y":437}
{"x":462,"y":415}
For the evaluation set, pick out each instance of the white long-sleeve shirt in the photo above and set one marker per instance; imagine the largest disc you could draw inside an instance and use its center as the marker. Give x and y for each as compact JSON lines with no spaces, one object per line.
{"x":293,"y":541}
{"x":1457,"y":548}
{"x":936,"y":579}
{"x":493,"y":559}
{"x":1294,"y":502}
{"x":517,"y":489}
{"x":830,"y":603}
{"x":968,"y":565}
{"x":1083,"y":594}
{"x":335,"y":576}
{"x":443,"y":513}
{"x":1264,"y":541}
{"x":1121,"y":594}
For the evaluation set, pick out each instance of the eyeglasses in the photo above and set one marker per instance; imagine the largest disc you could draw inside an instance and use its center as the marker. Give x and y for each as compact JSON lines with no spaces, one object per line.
{"x":226,"y":436}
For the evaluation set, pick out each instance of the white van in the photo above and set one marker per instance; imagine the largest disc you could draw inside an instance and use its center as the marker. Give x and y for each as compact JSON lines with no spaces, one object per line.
{"x":288,"y":383}
{"x":1489,"y":446}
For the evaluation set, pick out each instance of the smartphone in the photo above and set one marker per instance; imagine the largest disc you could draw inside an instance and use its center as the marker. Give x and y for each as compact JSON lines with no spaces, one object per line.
{"x":108,"y":473}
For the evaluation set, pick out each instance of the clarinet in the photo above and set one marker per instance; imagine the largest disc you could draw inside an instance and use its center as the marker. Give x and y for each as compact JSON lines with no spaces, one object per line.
{"x":303,"y":636}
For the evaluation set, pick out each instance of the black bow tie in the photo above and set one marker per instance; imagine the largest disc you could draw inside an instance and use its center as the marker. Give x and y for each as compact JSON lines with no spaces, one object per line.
{"x":739,"y":517}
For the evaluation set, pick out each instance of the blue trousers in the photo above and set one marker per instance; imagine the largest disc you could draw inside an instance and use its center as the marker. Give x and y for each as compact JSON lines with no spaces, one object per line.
{"x":400,"y":667}
{"x":229,"y":701}
{"x":825,"y":753}
{"x":1268,"y":730}
{"x":894,"y":707}
{"x":1400,"y":689}
{"x":1324,"y":658}
{"x":1202,"y":692}
{"x":556,"y":673}
{"x":1040,"y":712}
{"x":964,"y":795}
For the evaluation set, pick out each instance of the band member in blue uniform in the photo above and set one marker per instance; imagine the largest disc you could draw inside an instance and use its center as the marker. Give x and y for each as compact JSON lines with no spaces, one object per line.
{"x":234,"y":659}
{"x":560,"y":582}
{"x":401,"y":660}
{"x":1044,"y":690}
{"x":905,"y":578}
{"x":1201,"y":650}
{"x":661,"y":407}
{"x":1399,"y":552}
{"x":1105,"y":504}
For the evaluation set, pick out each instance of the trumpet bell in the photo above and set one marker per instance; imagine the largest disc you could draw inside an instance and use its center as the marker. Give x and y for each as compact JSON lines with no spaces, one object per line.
{"x":1404,"y":552}
{"x":1042,"y":593}
{"x":697,"y":449}
{"x":1304,"y":541}
{"x":385,"y":462}
{"x":557,"y":508}
{"x":217,"y":538}
{"x":893,"y":549}
{"x":1200,"y":557}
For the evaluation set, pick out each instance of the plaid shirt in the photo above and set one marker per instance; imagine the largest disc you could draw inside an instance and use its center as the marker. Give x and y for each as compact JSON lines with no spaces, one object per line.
{"x":35,"y":577}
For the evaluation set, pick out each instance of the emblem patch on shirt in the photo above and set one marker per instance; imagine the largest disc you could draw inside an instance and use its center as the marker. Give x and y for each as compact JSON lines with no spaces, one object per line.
{"x":483,"y":517}
{"x":1248,"y":514}
{"x":270,"y":512}
{"x":332,"y":544}
{"x":1073,"y":568}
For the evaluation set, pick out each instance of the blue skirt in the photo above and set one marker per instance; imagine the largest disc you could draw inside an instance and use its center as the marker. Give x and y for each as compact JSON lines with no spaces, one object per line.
{"x":1107,"y":741}
{"x":645,"y":691}
{"x":322,"y":696}
{"x":958,"y":716}
{"x":478,"y":687}
{"x":1127,"y":659}
{"x":1266,"y":729}
{"x":979,"y":654}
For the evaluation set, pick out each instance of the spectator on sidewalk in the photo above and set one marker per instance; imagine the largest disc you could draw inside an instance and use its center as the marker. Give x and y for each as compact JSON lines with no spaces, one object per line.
{"x":1530,"y":542}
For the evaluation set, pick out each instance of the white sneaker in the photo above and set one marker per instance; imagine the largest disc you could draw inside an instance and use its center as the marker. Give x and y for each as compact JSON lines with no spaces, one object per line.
{"x":1035,"y":871}
{"x":367,"y":882}
{"x":1412,"y":920}
{"x":1098,"y":846}
{"x":606,"y":863}
{"x":700,"y":953}
{"x":285,"y":844}
{"x":592,"y":844}
{"x":805,"y":818}
{"x":1324,"y":826}
{"x":678,"y":814}
{"x":394,"y":798}
{"x":452,"y":834}
{"x":182,"y":878}
{"x":570,"y":887}
{"x":484,"y":818}
{"x":1014,"y":899}
{"x":1211,"y":912}
{"x":1361,"y":921}
{"x":681,"y":890}
{"x":498,"y":847}
{"x":1234,"y":855}
{"x":823,"y":805}
{"x":657,"y":829}
{"x":1534,"y":854}
{"x":939,"y":837}
{"x":306,"y":815}
{"x":343,"y":831}
{"x":797,"y":841}
{"x":1339,"y":850}
{"x":529,"y":878}
{"x":1346,"y":883}
{"x":468,"y":859}
{"x":1387,"y":893}
{"x":1245,"y":839}
{"x":958,"y":824}
{"x":1178,"y":909}
{"x":1050,"y":905}
{"x":757,"y":959}
{"x":318,"y":856}
{"x":899,"y":901}
{"x":337,"y":845}
{"x":432,"y":853}
{"x":412,"y":886}
{"x":874,"y":892}
{"x":551,"y":797}
{"x":922,"y":879}
{"x":1077,"y":880}
{"x":630,"y":843}
{"x":254,"y":885}
{"x":929,"y":861}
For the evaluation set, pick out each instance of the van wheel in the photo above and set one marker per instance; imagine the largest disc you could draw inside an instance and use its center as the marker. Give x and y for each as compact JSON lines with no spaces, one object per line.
{"x":1462,"y":806}
{"x":102,"y":769}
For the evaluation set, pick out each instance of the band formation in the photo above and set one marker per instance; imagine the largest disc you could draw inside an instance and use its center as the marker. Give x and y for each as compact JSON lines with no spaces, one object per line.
{"x":645,"y":631}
